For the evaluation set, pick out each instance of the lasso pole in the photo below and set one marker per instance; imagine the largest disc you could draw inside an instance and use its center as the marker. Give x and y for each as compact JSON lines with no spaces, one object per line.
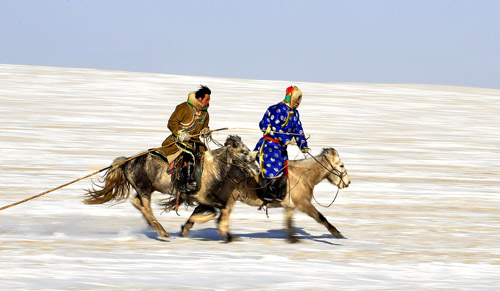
{"x":94,"y":173}
{"x":79,"y":179}
{"x":258,"y":129}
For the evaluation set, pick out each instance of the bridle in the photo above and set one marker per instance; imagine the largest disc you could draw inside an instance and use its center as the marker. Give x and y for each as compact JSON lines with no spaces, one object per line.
{"x":334,"y":171}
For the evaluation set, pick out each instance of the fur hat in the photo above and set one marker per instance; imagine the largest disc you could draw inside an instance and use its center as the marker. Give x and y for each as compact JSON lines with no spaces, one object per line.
{"x":293,"y":93}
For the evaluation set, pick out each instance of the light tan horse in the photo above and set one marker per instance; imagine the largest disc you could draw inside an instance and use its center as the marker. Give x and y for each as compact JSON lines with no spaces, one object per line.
{"x":303,"y":176}
{"x":148,"y":173}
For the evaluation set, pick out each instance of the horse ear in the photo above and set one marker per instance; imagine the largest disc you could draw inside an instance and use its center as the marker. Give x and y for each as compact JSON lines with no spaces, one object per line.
{"x":233,"y":140}
{"x":236,"y":143}
{"x":329,"y":150}
{"x":230,"y":141}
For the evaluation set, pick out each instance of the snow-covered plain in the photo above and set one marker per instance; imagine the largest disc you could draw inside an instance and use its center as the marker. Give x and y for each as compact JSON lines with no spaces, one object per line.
{"x":422,"y":212}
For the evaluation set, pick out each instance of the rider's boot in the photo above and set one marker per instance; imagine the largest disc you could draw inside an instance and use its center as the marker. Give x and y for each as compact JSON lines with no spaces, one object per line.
{"x":191,"y":183}
{"x":281,"y":184}
{"x":270,"y":189}
{"x":274,"y":189}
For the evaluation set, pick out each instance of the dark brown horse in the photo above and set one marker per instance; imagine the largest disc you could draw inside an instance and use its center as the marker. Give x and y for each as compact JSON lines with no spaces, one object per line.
{"x":303,"y":176}
{"x":148,"y":173}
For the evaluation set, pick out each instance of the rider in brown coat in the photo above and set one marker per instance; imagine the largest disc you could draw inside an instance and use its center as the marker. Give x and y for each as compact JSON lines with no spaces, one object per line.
{"x":187,"y":123}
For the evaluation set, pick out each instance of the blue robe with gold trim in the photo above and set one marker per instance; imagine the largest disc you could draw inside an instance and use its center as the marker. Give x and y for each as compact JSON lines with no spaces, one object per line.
{"x":280,"y":125}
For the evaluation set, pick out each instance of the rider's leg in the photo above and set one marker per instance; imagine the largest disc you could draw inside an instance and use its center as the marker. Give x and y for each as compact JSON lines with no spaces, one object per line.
{"x":269,"y":188}
{"x":187,"y":171}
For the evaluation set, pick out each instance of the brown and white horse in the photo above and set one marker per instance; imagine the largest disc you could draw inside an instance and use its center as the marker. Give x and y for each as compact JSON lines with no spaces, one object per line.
{"x":303,"y":176}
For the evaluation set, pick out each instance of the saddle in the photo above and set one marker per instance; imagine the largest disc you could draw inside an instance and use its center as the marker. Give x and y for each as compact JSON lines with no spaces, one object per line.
{"x":175,"y":171}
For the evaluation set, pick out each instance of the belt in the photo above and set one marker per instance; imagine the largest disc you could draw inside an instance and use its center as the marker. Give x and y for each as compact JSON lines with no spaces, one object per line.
{"x":273,"y":140}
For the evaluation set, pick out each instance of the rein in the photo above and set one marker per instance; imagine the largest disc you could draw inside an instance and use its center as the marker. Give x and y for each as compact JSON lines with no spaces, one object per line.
{"x":334,"y":198}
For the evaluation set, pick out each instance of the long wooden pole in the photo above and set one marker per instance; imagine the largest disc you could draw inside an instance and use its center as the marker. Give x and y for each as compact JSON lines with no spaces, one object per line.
{"x":79,"y":179}
{"x":94,"y":173}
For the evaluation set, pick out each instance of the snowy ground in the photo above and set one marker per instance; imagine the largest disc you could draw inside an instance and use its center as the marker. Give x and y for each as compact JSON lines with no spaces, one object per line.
{"x":422,"y":212}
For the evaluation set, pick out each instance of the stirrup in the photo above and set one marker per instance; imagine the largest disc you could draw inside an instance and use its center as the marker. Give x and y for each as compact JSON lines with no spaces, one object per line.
{"x":192,"y":185}
{"x":273,"y":198}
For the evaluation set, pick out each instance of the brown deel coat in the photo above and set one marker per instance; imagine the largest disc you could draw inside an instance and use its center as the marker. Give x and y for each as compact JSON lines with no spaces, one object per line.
{"x":189,"y":117}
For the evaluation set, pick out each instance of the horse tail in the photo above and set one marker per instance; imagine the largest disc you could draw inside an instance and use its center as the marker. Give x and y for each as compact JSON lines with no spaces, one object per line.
{"x":116,"y":187}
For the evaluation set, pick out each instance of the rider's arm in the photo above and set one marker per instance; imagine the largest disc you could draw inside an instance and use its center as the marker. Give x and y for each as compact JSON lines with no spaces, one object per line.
{"x":300,"y":137}
{"x":181,"y":114}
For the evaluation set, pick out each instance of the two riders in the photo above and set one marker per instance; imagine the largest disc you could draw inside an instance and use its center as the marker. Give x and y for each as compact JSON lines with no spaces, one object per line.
{"x":280,"y":125}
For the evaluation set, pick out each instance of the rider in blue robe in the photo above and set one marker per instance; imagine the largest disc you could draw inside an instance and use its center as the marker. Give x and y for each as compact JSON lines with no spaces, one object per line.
{"x":280,"y":126}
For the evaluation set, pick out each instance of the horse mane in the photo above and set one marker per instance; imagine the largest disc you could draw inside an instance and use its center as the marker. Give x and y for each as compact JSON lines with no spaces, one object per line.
{"x":327,"y":151}
{"x":233,"y":140}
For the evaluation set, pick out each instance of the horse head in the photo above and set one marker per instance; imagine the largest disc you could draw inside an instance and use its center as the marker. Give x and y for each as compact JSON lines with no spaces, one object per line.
{"x":337,"y":174}
{"x":241,"y":155}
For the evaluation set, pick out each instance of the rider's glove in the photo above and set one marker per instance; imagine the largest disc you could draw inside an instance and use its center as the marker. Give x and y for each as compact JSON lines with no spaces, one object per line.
{"x":205,"y":132}
{"x":183,"y":136}
{"x":292,"y":141}
{"x":305,"y":150}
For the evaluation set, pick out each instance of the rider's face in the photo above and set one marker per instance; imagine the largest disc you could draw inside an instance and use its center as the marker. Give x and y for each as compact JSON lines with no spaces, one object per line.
{"x":297,"y":102}
{"x":205,"y":101}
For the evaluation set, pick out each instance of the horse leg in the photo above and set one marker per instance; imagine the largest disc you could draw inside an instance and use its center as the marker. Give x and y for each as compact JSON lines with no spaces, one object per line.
{"x":223,"y":221}
{"x":289,"y":224}
{"x":143,"y":204}
{"x":310,"y":210}
{"x":136,"y":201}
{"x":199,"y":215}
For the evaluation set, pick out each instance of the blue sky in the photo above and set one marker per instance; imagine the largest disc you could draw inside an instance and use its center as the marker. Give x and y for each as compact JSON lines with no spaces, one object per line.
{"x":447,"y":42}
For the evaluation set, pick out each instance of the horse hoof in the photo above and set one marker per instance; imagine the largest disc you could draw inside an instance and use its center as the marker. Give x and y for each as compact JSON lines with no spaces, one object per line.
{"x":293,"y":240}
{"x":227,"y":238}
{"x":164,"y":235}
{"x":183,"y":233}
{"x":340,"y":236}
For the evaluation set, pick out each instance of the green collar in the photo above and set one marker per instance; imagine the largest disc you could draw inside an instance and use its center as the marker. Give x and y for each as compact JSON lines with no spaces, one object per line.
{"x":202,"y":109}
